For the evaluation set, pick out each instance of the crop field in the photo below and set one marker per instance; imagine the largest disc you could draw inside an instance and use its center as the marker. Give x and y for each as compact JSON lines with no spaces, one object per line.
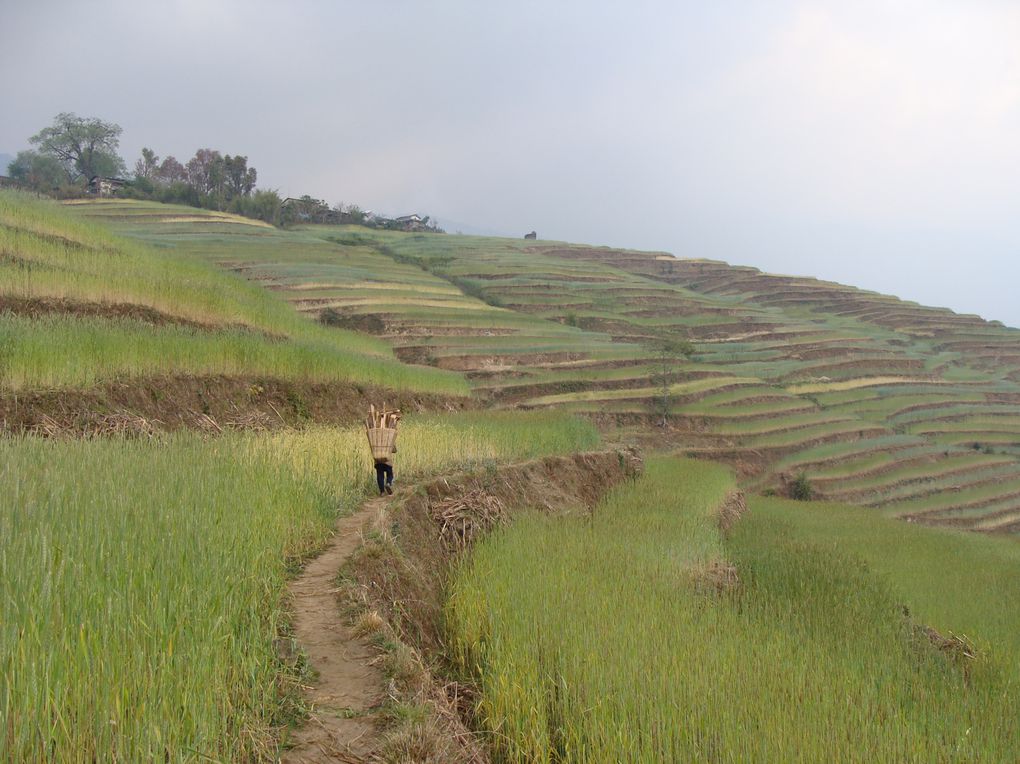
{"x":141,"y":581}
{"x":689,"y":661}
{"x":782,"y":367}
{"x":81,"y":306}
{"x":958,"y":583}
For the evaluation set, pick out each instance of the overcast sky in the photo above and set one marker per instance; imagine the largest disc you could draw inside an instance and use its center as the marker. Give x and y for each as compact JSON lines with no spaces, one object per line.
{"x":874,"y":142}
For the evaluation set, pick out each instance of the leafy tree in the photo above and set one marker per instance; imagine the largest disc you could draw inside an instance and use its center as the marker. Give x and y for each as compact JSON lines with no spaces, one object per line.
{"x":667,"y":352}
{"x":179,"y":193}
{"x":148,"y":165}
{"x":240,"y":178}
{"x":84,"y":146}
{"x":39,"y":171}
{"x":261,"y":205}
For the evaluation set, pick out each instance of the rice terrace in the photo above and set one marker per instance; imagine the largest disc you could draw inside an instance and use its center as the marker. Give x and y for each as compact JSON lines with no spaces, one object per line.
{"x":292,"y":481}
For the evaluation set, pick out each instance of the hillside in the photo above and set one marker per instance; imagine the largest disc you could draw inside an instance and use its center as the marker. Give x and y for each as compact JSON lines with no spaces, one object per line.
{"x":181,"y":398}
{"x":914,"y":411}
{"x":83,"y":311}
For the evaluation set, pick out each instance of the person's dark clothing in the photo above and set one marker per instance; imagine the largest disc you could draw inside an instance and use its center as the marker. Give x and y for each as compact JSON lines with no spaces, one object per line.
{"x":384,"y":476}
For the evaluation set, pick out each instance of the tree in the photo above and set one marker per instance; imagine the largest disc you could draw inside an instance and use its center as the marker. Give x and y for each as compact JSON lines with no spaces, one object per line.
{"x":85,"y":147}
{"x":240,"y":179}
{"x":148,"y":165}
{"x":667,"y":352}
{"x":205,"y":171}
{"x":171,"y":171}
{"x":39,"y":171}
{"x":263,"y":205}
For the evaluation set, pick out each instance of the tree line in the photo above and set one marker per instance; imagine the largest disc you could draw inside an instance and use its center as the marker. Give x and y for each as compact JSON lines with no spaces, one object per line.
{"x":67,"y":155}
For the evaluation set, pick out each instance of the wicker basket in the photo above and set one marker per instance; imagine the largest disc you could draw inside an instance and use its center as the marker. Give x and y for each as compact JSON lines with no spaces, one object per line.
{"x":381,"y":440}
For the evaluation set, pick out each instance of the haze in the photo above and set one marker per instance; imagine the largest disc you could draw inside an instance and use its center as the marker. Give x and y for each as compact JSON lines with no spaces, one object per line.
{"x":872,"y":143}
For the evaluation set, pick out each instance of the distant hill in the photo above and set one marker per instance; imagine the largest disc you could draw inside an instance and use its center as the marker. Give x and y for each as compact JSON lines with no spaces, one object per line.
{"x":5,"y":160}
{"x":860,"y":397}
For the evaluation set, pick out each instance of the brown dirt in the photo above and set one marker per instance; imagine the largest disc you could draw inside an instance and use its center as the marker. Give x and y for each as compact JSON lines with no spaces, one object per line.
{"x":37,"y":307}
{"x":349,"y":686}
{"x":210,"y":403}
{"x":396,"y":580}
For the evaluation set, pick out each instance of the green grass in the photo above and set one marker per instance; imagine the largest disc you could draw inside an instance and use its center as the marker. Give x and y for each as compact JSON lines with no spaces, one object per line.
{"x":855,"y":353}
{"x":47,"y":253}
{"x":56,"y":352}
{"x":615,"y":647}
{"x":786,"y":438}
{"x":933,"y":467}
{"x":141,"y":581}
{"x":958,"y":583}
{"x":54,"y":253}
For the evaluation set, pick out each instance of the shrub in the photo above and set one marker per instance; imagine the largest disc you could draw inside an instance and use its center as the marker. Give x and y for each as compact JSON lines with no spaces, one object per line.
{"x":800,"y":488}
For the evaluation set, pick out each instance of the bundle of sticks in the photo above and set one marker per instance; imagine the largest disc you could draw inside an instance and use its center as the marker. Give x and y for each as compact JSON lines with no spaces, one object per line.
{"x":382,"y":418}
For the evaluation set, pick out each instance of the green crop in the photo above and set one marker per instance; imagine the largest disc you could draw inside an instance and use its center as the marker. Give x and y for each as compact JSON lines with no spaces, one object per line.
{"x":629,"y":639}
{"x":142,"y":581}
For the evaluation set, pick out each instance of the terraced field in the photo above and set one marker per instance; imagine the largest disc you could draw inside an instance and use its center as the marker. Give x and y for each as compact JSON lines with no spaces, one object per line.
{"x":885,"y":403}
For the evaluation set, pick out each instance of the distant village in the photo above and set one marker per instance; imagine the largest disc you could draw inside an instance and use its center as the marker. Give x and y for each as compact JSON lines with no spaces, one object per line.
{"x":305,"y":209}
{"x":64,"y":165}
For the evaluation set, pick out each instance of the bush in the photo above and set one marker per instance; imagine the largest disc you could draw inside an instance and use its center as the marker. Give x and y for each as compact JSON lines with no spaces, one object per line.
{"x":800,"y":489}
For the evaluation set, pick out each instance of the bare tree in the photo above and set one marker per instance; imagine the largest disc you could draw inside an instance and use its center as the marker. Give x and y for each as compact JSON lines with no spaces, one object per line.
{"x":171,"y":171}
{"x":148,"y":165}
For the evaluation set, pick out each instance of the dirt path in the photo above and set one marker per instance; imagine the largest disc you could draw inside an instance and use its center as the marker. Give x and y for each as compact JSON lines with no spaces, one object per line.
{"x":348,"y":686}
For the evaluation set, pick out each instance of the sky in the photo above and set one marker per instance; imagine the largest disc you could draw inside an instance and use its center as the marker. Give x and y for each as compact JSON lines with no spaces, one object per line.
{"x":875,"y":143}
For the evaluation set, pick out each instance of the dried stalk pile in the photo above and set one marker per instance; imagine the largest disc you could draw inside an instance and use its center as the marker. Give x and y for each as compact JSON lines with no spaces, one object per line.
{"x":97,"y":425}
{"x":464,"y":517}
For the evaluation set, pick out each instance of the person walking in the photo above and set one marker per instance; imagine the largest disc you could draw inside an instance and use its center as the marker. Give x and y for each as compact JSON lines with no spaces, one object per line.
{"x":384,"y":473}
{"x":382,"y":437}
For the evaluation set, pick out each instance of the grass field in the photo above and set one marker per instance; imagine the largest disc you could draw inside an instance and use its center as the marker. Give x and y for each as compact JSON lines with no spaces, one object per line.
{"x":141,"y":581}
{"x":566,"y":326}
{"x":101,"y":306}
{"x":810,"y":658}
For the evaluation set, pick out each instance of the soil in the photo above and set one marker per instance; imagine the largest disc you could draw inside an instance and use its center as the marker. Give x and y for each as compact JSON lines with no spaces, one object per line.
{"x":398,"y":576}
{"x":37,"y":307}
{"x":349,"y":685}
{"x":208,"y":403}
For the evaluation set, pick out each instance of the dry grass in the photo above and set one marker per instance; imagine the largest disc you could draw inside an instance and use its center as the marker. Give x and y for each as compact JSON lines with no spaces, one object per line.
{"x":215,"y":218}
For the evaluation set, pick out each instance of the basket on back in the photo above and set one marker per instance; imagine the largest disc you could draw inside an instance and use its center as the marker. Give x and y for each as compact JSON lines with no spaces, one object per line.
{"x":381,"y":440}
